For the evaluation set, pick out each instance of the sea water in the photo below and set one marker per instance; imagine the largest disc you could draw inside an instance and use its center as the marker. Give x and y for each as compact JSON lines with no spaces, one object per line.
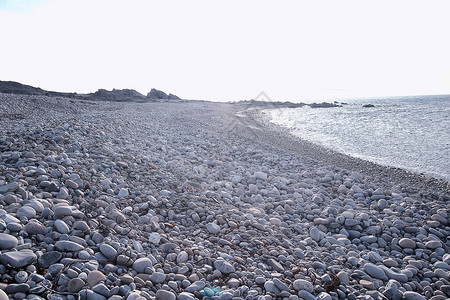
{"x":412,"y":133}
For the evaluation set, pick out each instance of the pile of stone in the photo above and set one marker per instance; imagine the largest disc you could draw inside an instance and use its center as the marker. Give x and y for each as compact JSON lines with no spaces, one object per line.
{"x":162,"y":201}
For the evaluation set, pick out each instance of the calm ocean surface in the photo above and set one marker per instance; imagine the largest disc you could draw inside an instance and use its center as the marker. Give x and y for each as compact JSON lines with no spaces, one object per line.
{"x":412,"y":133}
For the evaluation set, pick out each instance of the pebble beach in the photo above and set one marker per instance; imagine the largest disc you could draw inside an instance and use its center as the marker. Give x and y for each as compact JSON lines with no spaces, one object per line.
{"x":198,"y":200}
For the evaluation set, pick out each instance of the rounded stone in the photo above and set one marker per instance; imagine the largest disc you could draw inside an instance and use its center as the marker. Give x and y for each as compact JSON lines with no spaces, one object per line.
{"x":35,"y":227}
{"x":123,"y":193}
{"x":233,"y":282}
{"x":301,"y":284}
{"x":141,"y":264}
{"x":270,"y":287}
{"x":75,"y":285}
{"x":123,"y":260}
{"x":224,"y":267}
{"x":260,"y":175}
{"x":165,"y":295}
{"x":7,"y":241}
{"x":409,"y":295}
{"x":154,"y":238}
{"x":107,"y":250}
{"x":81,"y":225}
{"x":158,"y":277}
{"x":314,"y":233}
{"x":433,"y":244}
{"x":14,"y":227}
{"x":182,"y":257}
{"x":71,"y":184}
{"x":26,"y":211}
{"x":186,"y":296}
{"x":303,"y":294}
{"x":68,"y":246}
{"x":95,"y":277}
{"x":21,"y":277}
{"x":407,"y":243}
{"x":343,"y":277}
{"x":446,"y":289}
{"x":324,"y":296}
{"x":91,"y":295}
{"x":61,"y":226}
{"x":17,"y":288}
{"x":367,"y":284}
{"x":10,"y":199}
{"x":134,"y":296}
{"x":3,"y":295}
{"x":61,"y":211}
{"x":375,"y":271}
{"x":213,"y":228}
{"x":126,"y":279}
{"x":260,"y":280}
{"x":18,"y":259}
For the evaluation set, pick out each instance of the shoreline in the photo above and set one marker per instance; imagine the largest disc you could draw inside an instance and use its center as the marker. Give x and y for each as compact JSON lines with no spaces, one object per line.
{"x":181,"y":200}
{"x":285,"y":139}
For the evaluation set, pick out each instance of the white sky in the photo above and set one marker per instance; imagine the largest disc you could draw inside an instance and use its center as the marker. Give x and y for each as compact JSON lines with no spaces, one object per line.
{"x":229,"y":50}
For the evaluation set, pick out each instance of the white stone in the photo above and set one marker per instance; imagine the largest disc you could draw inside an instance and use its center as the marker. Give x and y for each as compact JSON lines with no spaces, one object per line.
{"x":213,"y":228}
{"x":223,"y":266}
{"x":261,"y":175}
{"x":62,"y":227}
{"x":301,"y":284}
{"x":182,"y":257}
{"x":154,"y":238}
{"x":314,"y":233}
{"x":123,"y":193}
{"x":236,"y":179}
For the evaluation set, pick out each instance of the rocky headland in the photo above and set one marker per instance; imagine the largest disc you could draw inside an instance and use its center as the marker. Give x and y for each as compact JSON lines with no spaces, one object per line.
{"x":117,"y":95}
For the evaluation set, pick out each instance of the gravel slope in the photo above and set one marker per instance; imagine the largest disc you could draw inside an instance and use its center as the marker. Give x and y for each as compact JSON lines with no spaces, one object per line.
{"x":103,"y":200}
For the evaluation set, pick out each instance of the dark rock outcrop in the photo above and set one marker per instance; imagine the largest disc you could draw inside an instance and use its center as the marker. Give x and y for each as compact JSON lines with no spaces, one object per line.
{"x":269,"y":104}
{"x":324,"y":105}
{"x":174,"y":97}
{"x":117,"y":95}
{"x":368,"y":105}
{"x":12,"y":87}
{"x":155,"y":94}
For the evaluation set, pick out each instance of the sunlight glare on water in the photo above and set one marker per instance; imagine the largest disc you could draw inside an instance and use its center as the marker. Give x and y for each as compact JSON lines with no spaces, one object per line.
{"x":406,"y":132}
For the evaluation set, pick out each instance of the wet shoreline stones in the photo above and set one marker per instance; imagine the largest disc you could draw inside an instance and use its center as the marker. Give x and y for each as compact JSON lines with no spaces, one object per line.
{"x":168,"y":200}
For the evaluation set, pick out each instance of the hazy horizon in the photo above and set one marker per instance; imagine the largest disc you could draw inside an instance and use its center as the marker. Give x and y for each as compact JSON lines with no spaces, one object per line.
{"x":293,"y":51}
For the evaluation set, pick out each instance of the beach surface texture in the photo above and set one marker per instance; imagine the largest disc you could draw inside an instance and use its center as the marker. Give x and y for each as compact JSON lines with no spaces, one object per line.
{"x":187,"y":199}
